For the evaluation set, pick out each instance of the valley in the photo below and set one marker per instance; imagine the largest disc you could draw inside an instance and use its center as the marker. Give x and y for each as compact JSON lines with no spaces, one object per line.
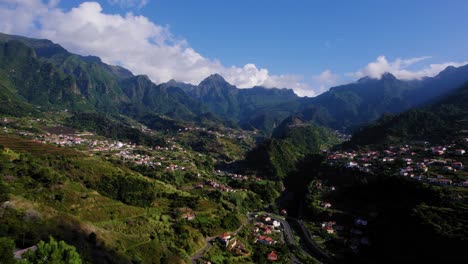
{"x":128,"y":171}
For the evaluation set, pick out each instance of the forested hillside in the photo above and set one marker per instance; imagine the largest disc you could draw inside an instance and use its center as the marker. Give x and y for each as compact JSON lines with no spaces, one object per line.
{"x":437,"y":122}
{"x":292,"y":140}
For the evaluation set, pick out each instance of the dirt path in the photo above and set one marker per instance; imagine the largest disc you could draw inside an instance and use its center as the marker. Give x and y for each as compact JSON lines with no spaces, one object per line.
{"x":202,"y":251}
{"x":209,"y":244}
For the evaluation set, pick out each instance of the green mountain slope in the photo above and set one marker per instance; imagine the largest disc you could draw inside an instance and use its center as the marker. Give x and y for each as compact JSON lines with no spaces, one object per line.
{"x":253,"y":108}
{"x":44,"y":74}
{"x":146,"y":97}
{"x":292,"y":140}
{"x":345,"y":107}
{"x":36,"y":82}
{"x":437,"y":122}
{"x":349,"y":106}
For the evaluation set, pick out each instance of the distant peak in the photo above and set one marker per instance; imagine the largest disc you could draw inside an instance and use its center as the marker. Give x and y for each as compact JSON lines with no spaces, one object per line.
{"x":143,"y":77}
{"x":388,"y":76}
{"x":213,"y":79}
{"x":171,"y":82}
{"x":448,"y":70}
{"x":364,"y":79}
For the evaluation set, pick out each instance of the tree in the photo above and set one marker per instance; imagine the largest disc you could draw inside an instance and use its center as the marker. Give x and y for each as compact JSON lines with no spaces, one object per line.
{"x":53,"y":252}
{"x":6,"y":250}
{"x":92,"y":238}
{"x":3,"y":192}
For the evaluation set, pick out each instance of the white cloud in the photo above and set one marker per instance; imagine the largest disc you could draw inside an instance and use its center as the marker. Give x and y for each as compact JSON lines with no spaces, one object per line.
{"x":325,"y":80}
{"x":18,"y":16}
{"x":399,"y":68}
{"x":129,"y":3}
{"x":326,"y":77}
{"x":131,"y":41}
{"x":144,"y":47}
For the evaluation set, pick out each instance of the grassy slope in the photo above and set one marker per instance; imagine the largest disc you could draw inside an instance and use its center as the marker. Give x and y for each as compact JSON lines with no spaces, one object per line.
{"x":70,"y":207}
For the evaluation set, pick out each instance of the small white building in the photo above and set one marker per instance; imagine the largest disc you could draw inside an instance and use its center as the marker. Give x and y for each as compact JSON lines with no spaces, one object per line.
{"x":276,"y":223}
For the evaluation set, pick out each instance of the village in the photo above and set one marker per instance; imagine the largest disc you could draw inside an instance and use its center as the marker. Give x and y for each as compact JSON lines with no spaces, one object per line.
{"x":170,"y":158}
{"x":438,"y":164}
{"x":262,"y":229}
{"x":441,"y":165}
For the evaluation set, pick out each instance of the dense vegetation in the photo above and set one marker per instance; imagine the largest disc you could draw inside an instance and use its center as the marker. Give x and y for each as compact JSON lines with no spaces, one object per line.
{"x":408,"y":220}
{"x":437,"y":122}
{"x":53,"y":252}
{"x":110,"y":213}
{"x":7,"y":247}
{"x":291,"y":141}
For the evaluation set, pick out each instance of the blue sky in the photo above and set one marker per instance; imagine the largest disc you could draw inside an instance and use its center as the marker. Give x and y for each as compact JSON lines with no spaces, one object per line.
{"x":306,"y":45}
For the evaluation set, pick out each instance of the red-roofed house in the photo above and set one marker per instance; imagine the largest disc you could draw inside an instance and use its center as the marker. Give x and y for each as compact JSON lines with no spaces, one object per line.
{"x":224,"y":238}
{"x":272,"y":256}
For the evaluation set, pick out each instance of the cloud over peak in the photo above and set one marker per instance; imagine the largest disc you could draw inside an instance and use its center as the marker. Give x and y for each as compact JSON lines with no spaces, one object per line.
{"x":144,"y":47}
{"x":129,"y":40}
{"x":399,"y":68}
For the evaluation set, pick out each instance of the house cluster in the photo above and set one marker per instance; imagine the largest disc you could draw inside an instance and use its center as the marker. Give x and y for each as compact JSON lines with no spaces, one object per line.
{"x":264,"y":227}
{"x":321,"y":187}
{"x":60,"y":139}
{"x":231,"y":134}
{"x":415,"y":161}
{"x":341,"y":136}
{"x":130,"y":155}
{"x":329,"y":227}
{"x":170,"y":148}
{"x":139,"y":159}
{"x":109,"y":145}
{"x":128,"y":152}
{"x":235,"y":176}
{"x":174,"y":167}
{"x":355,"y":234}
{"x":216,"y":185}
{"x":232,"y":244}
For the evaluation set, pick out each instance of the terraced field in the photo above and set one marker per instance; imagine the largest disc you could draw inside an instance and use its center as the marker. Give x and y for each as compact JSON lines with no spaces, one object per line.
{"x":30,"y":146}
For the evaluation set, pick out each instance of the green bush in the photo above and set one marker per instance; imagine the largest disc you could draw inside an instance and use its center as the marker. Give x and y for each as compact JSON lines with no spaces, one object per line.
{"x":53,"y":252}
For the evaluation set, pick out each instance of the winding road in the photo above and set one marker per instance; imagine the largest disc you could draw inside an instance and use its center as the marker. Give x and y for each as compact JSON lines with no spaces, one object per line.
{"x":316,"y":251}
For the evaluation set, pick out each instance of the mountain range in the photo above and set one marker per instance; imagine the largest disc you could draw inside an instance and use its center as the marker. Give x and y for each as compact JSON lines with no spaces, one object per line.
{"x":130,"y":171}
{"x":38,"y":73}
{"x":438,"y":122}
